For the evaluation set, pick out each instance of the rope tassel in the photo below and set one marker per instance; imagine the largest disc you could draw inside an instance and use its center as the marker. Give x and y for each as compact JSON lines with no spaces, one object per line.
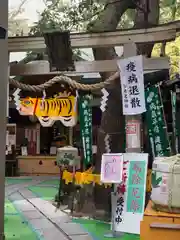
{"x":107,"y":144}
{"x":104,"y":99}
{"x":17,"y":98}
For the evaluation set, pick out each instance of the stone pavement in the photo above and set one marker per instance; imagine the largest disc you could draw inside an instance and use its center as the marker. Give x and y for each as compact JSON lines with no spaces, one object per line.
{"x":42,"y":215}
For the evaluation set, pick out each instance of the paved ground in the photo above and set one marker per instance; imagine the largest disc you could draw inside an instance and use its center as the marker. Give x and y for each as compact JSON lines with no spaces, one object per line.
{"x":40,"y":214}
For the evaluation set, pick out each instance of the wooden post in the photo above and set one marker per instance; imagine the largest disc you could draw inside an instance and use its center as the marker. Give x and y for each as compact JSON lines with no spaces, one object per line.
{"x":71,"y":136}
{"x":130,"y":51}
{"x":3,"y":101}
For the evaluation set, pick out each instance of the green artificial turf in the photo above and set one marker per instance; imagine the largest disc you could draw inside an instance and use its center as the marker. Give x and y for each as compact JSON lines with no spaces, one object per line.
{"x":46,"y":193}
{"x":97,"y":230}
{"x":9,"y":208}
{"x":17,"y":180}
{"x":52,"y":182}
{"x":15,"y":226}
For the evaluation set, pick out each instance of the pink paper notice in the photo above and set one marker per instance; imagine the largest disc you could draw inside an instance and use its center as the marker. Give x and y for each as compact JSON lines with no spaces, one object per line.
{"x":111,"y":168}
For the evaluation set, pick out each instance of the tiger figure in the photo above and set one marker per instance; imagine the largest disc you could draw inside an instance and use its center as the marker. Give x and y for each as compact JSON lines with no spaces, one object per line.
{"x":60,"y":108}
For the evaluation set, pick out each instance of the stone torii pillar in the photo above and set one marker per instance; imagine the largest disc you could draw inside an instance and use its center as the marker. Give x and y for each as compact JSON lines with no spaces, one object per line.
{"x":3,"y":102}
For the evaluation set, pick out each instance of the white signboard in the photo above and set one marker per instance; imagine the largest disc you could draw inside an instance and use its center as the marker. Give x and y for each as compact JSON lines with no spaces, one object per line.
{"x":111,"y":168}
{"x":132,"y":85}
{"x":133,"y":134}
{"x":130,"y":194}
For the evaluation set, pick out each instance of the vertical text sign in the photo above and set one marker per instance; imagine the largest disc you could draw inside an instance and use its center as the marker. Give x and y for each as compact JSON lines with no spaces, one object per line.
{"x":111,"y":168}
{"x":134,"y":197}
{"x":136,"y":183}
{"x":156,"y":123}
{"x":118,"y":210}
{"x":86,"y":127}
{"x":132,"y":85}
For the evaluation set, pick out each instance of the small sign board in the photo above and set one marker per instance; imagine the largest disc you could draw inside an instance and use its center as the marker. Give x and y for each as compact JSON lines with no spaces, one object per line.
{"x":130,"y":194}
{"x":133,"y":134}
{"x":111,"y":168}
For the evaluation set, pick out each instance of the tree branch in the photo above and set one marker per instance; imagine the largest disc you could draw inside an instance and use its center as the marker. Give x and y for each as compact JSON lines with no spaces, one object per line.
{"x":108,"y":20}
{"x":112,"y":118}
{"x":145,"y":20}
{"x":18,"y":11}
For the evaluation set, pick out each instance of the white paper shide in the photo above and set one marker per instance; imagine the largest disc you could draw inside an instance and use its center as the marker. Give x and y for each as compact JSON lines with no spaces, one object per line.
{"x":132,"y":85}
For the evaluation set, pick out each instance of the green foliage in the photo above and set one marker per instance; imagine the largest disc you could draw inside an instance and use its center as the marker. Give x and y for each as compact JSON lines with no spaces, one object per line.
{"x":168,"y":3}
{"x":173,"y":52}
{"x":127,"y":19}
{"x":76,"y":16}
{"x":70,"y":16}
{"x":66,"y":16}
{"x":170,"y":11}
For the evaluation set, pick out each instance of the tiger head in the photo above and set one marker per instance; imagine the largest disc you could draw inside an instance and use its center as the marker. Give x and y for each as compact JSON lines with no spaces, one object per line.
{"x":27,"y":106}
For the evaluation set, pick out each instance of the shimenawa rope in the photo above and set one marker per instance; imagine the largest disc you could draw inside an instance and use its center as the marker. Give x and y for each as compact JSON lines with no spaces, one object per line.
{"x":64,"y":79}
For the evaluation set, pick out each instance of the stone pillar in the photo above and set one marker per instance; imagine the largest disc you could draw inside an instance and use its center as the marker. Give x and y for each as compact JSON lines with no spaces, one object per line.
{"x":3,"y":102}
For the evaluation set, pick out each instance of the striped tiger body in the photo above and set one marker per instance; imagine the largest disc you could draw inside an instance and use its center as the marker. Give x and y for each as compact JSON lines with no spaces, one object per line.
{"x":59,"y":107}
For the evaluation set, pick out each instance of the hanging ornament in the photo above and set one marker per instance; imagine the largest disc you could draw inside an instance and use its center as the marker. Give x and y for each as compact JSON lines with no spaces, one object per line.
{"x":104,"y":99}
{"x":107,"y":143}
{"x":17,"y":98}
{"x":60,"y":107}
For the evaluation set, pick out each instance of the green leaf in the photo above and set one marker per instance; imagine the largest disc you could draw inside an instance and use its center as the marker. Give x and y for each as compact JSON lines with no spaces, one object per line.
{"x":168,"y":3}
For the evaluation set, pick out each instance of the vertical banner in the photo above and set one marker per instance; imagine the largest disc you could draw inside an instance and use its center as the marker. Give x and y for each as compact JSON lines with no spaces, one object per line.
{"x":130,"y":199}
{"x":85,"y":118}
{"x":132,"y":85}
{"x":7,"y":112}
{"x":173,"y":104}
{"x":156,"y":123}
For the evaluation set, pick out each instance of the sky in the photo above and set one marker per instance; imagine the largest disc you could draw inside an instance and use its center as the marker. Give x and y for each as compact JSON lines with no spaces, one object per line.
{"x":31,"y":9}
